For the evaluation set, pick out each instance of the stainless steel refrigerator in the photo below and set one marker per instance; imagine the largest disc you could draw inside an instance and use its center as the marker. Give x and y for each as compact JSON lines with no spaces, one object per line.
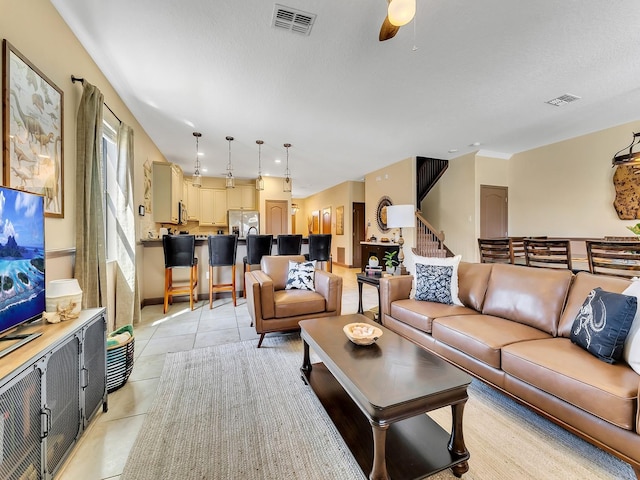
{"x":241,"y":221}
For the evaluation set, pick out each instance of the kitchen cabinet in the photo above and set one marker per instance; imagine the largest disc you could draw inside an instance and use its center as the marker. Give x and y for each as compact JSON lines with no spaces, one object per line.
{"x":49,"y":390}
{"x":192,"y":199}
{"x":213,"y":207}
{"x":167,"y":191}
{"x":243,"y":197}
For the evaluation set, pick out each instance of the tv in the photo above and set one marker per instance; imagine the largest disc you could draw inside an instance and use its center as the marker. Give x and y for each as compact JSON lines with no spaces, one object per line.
{"x":22,"y":264}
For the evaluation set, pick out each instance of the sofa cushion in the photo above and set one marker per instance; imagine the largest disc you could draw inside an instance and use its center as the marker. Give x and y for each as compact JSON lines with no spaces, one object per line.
{"x":420,"y":314}
{"x":582,"y":284}
{"x":482,"y":336}
{"x":570,"y":373}
{"x":435,"y":277}
{"x":472,"y":283}
{"x":290,"y":303}
{"x":277,"y":267}
{"x":527,"y":295}
{"x":631,"y":352}
{"x":603,"y":322}
{"x":301,"y":276}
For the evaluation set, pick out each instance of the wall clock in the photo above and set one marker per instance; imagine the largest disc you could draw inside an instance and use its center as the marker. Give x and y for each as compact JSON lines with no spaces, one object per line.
{"x":381,"y":213}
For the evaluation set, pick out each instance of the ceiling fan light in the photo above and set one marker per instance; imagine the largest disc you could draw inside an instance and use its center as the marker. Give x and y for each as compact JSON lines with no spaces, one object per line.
{"x":401,"y":12}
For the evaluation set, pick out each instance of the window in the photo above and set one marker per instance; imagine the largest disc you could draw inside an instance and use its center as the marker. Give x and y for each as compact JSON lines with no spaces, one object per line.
{"x":110,"y":126}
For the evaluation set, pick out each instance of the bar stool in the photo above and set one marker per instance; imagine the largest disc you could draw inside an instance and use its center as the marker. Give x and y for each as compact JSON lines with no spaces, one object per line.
{"x":222,"y":253}
{"x":320,"y":248}
{"x":179,"y":252}
{"x":289,"y":244}
{"x":257,"y":247}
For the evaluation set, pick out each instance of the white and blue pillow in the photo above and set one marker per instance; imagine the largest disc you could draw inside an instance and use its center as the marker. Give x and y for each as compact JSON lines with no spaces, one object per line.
{"x":301,"y":276}
{"x":437,"y":279}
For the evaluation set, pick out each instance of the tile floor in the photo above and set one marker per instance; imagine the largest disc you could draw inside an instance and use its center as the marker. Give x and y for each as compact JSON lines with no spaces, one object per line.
{"x":102,"y":450}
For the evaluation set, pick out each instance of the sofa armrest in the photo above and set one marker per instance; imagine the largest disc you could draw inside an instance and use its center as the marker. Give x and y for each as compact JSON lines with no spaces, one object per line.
{"x":263,"y":291}
{"x":392,"y":289}
{"x":329,"y":285}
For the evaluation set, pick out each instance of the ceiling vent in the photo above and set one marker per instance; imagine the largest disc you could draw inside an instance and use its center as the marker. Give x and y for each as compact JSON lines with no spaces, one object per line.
{"x":563,"y":99}
{"x":293,"y":20}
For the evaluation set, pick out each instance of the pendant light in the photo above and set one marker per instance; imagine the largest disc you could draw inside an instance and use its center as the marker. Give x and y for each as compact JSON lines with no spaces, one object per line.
{"x":230,"y":182}
{"x":401,"y":12}
{"x":197,"y":178}
{"x":287,"y":175}
{"x":259,"y":180}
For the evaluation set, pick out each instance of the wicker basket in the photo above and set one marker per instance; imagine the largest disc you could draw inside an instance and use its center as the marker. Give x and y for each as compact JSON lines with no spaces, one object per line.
{"x":119,"y":364}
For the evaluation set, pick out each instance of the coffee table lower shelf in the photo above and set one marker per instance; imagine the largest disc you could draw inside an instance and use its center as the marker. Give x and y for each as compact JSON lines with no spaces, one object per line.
{"x":415,"y":447}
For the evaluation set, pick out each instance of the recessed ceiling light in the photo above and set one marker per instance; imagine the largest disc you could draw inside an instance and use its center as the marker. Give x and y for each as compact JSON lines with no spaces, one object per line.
{"x":277,"y":160}
{"x":205,"y":169}
{"x":201,"y":154}
{"x":453,"y":150}
{"x":475,"y":144}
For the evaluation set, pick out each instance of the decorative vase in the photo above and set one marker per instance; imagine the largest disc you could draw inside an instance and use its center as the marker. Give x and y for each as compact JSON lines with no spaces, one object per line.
{"x":373,"y":261}
{"x":390,"y":270}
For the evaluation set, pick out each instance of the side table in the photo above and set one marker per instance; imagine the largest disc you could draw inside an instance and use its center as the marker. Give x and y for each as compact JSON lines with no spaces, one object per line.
{"x":369,"y":280}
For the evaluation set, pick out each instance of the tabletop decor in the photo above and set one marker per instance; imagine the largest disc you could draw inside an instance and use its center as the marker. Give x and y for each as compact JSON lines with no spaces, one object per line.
{"x":32,"y":131}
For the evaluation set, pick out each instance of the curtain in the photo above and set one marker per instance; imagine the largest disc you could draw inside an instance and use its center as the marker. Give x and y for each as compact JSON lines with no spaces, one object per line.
{"x":127,"y":294}
{"x":90,"y":267}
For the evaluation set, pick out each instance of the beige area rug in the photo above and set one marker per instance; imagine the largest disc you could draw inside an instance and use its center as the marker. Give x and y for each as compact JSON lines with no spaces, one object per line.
{"x":237,"y":412}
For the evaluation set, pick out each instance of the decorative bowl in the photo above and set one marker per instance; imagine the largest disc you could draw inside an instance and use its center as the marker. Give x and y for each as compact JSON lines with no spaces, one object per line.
{"x":362,"y":333}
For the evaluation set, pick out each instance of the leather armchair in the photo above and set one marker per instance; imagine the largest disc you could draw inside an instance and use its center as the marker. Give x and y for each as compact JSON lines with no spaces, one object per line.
{"x":274,"y":309}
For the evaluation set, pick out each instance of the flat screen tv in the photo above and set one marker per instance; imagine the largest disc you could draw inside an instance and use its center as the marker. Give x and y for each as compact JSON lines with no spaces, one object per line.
{"x":22,"y":263}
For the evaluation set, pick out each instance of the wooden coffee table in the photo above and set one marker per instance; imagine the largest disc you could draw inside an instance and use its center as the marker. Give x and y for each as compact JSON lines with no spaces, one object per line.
{"x":383,"y":389}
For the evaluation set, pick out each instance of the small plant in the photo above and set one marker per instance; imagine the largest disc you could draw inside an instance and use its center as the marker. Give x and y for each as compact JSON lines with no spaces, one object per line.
{"x":389,"y":259}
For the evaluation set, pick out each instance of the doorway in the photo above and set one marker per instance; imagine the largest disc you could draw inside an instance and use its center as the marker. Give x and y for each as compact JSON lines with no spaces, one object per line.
{"x":494,"y":214}
{"x":326,"y":220}
{"x":358,"y":233}
{"x":276,"y":220}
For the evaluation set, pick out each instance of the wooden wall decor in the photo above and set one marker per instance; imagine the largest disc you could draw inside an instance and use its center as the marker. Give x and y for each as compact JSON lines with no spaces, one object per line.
{"x":626,"y":180}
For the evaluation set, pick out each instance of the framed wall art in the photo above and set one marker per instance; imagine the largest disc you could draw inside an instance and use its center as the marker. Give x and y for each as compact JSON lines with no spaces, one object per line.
{"x":32,"y":109}
{"x":340,"y":220}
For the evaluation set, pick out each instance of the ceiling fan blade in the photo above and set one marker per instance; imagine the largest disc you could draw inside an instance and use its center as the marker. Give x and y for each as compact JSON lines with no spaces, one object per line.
{"x":387,"y":30}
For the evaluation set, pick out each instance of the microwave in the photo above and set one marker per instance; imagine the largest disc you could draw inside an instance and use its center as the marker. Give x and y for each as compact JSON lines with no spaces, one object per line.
{"x":182,"y":213}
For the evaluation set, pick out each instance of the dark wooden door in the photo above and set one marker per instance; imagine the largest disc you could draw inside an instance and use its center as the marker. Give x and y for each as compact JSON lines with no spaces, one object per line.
{"x":494,"y":215}
{"x":326,"y":220}
{"x":358,"y":233}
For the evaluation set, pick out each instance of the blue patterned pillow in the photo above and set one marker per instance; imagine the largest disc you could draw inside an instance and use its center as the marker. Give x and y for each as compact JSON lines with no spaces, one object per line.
{"x":433,"y":283}
{"x":301,"y":276}
{"x":603,"y":323}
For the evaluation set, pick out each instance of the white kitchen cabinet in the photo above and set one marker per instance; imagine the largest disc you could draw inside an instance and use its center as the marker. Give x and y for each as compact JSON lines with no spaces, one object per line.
{"x":192,"y":198}
{"x":213,"y":207}
{"x":167,"y":191}
{"x":242,"y":197}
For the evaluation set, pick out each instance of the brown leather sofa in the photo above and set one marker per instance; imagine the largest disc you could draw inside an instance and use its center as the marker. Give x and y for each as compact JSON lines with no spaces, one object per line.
{"x":512,"y":332}
{"x":274,"y":309}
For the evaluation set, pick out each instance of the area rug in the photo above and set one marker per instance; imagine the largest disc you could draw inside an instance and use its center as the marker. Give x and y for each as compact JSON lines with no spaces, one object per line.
{"x":237,"y":412}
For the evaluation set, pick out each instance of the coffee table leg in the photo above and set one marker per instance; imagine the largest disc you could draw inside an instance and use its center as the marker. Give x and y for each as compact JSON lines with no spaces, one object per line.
{"x":379,"y":470}
{"x":456,"y":441}
{"x":306,"y":363}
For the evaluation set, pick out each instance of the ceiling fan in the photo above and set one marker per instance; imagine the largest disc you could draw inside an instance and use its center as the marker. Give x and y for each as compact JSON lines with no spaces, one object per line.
{"x":399,"y":13}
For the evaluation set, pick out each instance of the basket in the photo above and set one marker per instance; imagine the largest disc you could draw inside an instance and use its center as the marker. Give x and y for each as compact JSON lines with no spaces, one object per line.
{"x":119,"y":364}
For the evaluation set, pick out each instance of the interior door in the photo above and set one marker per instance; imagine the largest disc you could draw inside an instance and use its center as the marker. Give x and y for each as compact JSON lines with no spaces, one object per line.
{"x":326,"y":220}
{"x":276,"y":217}
{"x":494,"y":215}
{"x":357,"y":233}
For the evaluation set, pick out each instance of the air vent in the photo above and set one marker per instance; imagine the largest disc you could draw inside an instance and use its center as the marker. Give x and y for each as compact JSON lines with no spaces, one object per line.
{"x":562,"y":100}
{"x":293,"y":20}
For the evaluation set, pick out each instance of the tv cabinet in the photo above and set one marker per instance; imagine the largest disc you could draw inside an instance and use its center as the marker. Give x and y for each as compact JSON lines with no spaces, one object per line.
{"x":50,"y":389}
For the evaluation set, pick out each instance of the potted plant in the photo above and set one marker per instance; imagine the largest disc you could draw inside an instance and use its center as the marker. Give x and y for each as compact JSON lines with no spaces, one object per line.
{"x":390,"y":261}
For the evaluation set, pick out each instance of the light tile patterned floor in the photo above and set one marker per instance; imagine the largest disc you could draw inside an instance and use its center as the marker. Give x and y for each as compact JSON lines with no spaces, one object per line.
{"x":102,"y":450}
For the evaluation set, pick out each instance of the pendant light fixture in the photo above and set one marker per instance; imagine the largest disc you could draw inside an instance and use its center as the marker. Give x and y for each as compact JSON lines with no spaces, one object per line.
{"x":197,"y":178}
{"x":401,"y":12}
{"x":259,"y":180}
{"x":230,"y":182}
{"x":287,"y":175}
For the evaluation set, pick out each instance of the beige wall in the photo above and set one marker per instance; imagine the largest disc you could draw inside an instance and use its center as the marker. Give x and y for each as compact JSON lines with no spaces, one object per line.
{"x":343,"y":194}
{"x":36,"y":30}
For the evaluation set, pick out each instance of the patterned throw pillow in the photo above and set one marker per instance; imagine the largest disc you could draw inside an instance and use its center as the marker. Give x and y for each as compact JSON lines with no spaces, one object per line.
{"x":433,"y":283}
{"x":452,"y":262}
{"x":301,"y":276}
{"x":603,"y":322}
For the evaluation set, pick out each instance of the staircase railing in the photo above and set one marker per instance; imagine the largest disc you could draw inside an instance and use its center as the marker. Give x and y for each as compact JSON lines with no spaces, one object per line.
{"x":429,"y":243}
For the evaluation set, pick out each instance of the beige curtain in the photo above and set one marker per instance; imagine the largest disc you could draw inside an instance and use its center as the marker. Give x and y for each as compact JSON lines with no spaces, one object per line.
{"x":127,"y":296}
{"x":90,"y":267}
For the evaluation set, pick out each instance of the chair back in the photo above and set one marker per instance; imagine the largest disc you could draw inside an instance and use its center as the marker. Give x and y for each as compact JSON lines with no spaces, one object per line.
{"x":257,"y":247}
{"x":620,"y":259}
{"x":222,"y":250}
{"x":289,"y":244}
{"x":517,"y":249}
{"x":179,"y":250}
{"x":547,"y":253}
{"x":277,"y":268}
{"x":320,"y":247}
{"x":495,"y":250}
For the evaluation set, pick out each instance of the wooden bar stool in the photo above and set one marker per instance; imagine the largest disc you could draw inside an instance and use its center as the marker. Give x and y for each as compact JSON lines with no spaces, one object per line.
{"x":320,"y":248}
{"x":257,"y":247}
{"x":222,"y":253}
{"x":289,"y":244}
{"x":179,"y":252}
